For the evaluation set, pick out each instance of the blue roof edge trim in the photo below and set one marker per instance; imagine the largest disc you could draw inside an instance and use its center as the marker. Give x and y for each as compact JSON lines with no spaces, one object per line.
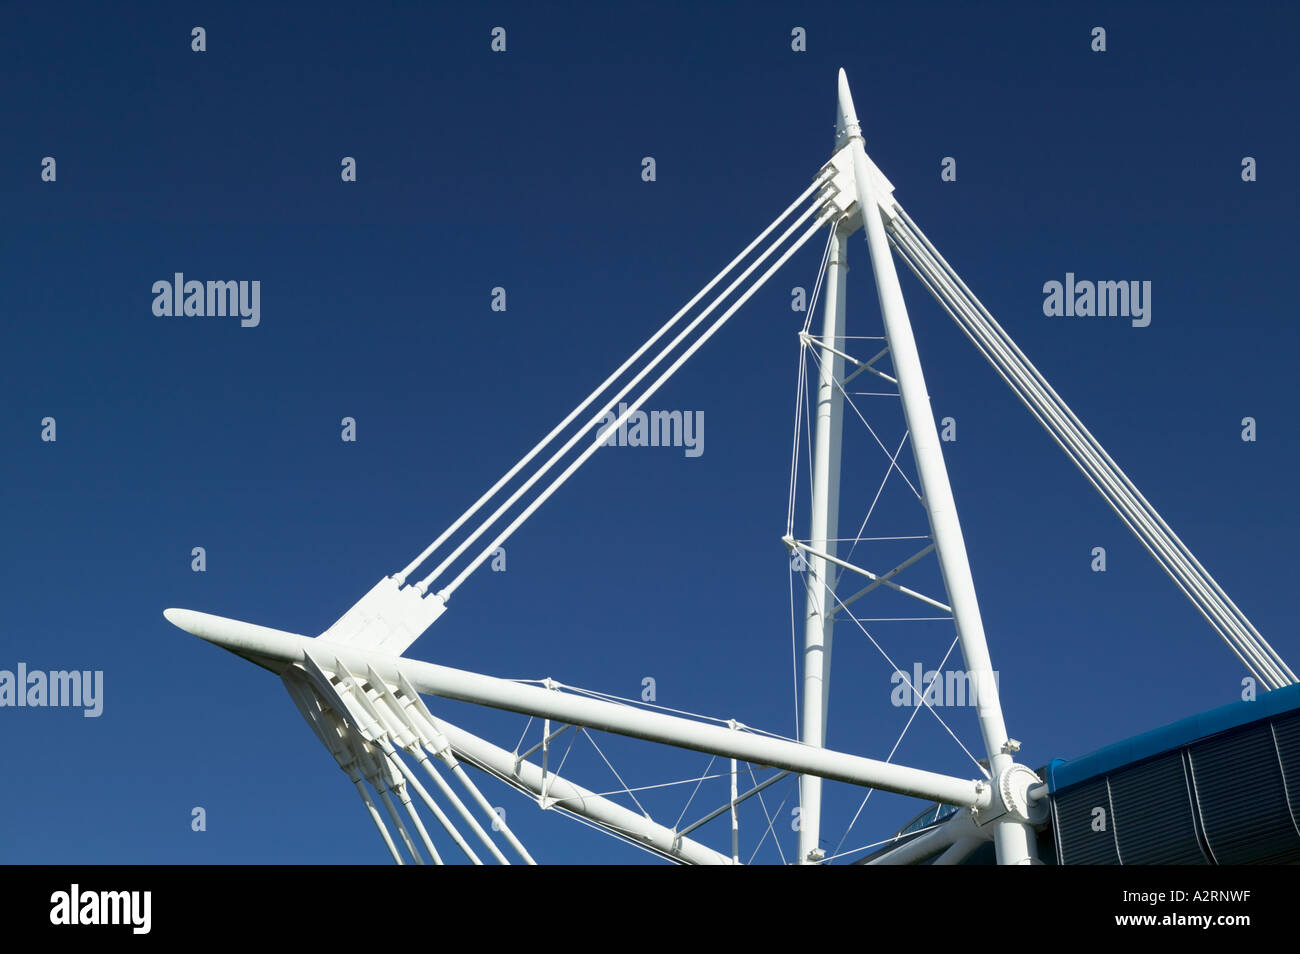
{"x":1062,"y":773}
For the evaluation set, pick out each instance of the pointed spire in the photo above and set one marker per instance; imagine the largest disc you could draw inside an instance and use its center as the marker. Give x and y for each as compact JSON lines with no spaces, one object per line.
{"x":846,"y":117}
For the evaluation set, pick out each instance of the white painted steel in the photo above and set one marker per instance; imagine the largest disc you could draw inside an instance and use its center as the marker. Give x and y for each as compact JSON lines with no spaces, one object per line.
{"x":1086,"y":452}
{"x":958,"y":851}
{"x":960,"y":827}
{"x":368,"y":724}
{"x":410,"y":568}
{"x":880,"y":579}
{"x":562,"y":794}
{"x":736,"y":800}
{"x":735,"y":819}
{"x":1014,"y":840}
{"x":596,"y":419}
{"x":446,"y":592}
{"x":819,"y":621}
{"x":278,"y":649}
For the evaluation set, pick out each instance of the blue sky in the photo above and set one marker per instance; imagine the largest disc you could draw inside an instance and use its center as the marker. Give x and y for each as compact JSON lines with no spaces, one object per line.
{"x":522,"y":170}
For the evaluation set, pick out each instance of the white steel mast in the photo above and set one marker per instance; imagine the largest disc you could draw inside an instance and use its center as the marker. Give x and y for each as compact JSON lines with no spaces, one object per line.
{"x":1014,"y":838}
{"x":819,"y":617}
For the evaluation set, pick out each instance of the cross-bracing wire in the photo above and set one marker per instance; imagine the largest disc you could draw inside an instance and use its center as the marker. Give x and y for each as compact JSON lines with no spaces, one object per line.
{"x":872,"y":509}
{"x":637,"y":703}
{"x":878,"y":844}
{"x":801,"y":387}
{"x":616,"y":775}
{"x":658,"y":785}
{"x":889,"y":758}
{"x":771,"y":818}
{"x":694,"y":791}
{"x":560,"y":809}
{"x":908,"y":682}
{"x":849,"y":400}
{"x":523,"y":735}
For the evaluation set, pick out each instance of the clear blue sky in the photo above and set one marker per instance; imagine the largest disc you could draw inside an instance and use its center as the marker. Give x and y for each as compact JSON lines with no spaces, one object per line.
{"x":522,"y":170}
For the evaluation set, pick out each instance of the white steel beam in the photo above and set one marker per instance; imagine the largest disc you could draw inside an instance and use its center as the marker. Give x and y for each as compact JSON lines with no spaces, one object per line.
{"x":276,"y":649}
{"x":565,"y":795}
{"x":875,"y":578}
{"x":1014,"y":839}
{"x":735,"y":800}
{"x":958,"y":851}
{"x":884,"y":579}
{"x":819,"y":620}
{"x":960,"y":828}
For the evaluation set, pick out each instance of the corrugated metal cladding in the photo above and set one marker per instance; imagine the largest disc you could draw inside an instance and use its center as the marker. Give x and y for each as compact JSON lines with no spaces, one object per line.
{"x":1155,"y":819}
{"x":1244,"y":810}
{"x":1231,"y":798}
{"x":1286,"y":732}
{"x":1084,"y":833}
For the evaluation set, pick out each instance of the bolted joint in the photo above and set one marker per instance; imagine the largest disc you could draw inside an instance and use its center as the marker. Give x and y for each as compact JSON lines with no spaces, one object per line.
{"x":1011,"y":799}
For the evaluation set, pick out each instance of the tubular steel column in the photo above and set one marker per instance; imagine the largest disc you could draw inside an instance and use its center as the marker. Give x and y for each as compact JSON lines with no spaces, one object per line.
{"x":818,"y":624}
{"x":1015,"y":840}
